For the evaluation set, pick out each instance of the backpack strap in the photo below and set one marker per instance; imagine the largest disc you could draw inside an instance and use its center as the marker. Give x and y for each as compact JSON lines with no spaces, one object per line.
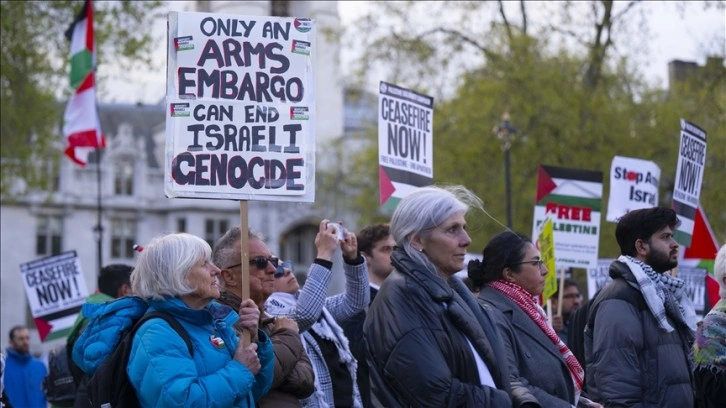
{"x":178,"y":328}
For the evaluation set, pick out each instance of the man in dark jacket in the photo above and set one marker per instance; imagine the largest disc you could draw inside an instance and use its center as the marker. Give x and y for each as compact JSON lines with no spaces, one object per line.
{"x":294,"y":378}
{"x":375,"y":243}
{"x":114,"y":281}
{"x":640,"y":327}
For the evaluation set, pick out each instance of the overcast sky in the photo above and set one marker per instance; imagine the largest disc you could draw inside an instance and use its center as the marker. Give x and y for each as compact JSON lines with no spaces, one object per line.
{"x":689,"y":37}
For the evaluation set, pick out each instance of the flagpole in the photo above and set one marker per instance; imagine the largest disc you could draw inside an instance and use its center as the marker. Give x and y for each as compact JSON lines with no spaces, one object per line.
{"x":99,"y":211}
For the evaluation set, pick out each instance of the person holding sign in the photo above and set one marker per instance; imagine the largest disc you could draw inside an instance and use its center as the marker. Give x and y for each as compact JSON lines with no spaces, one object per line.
{"x":294,"y":377}
{"x":571,"y":300}
{"x":511,"y":275}
{"x":428,"y":343}
{"x":641,"y":325}
{"x":175,"y":275}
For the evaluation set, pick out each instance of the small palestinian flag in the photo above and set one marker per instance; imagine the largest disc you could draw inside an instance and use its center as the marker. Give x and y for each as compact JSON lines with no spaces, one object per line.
{"x":81,"y":126}
{"x":217,"y":341}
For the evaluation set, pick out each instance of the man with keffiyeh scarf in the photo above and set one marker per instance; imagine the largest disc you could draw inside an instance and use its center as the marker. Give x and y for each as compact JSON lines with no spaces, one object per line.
{"x":640,"y":327}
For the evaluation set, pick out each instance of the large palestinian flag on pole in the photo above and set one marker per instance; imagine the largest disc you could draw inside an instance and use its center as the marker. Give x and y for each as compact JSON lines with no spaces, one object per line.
{"x":81,"y":127}
{"x":702,"y":254}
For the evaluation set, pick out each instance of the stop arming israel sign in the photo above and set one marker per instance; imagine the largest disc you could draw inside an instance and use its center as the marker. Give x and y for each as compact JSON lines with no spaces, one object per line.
{"x":633,"y":185}
{"x":240,"y":108}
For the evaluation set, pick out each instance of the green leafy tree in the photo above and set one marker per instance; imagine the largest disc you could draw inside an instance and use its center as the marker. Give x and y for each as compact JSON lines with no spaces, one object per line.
{"x":574,"y":106}
{"x":34,"y":76}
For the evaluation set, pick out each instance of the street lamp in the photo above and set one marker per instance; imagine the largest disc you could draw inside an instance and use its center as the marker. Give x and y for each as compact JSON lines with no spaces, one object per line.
{"x":98,"y":234}
{"x":505,"y":132}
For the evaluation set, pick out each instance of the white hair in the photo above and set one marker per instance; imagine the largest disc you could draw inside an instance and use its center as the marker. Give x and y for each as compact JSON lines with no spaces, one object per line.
{"x":165,"y":263}
{"x":423,"y":210}
{"x":719,"y":270}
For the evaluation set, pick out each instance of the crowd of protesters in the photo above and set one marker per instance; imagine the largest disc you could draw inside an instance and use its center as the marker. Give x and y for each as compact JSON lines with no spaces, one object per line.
{"x":407,"y":330}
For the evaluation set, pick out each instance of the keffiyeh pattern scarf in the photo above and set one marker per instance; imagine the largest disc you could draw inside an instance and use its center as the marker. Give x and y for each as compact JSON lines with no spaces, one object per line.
{"x":528,"y":304}
{"x":662,"y":292}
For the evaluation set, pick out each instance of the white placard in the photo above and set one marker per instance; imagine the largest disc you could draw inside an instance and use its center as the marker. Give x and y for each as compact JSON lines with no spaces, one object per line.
{"x":633,"y":185}
{"x":56,"y":289}
{"x":241,"y":107}
{"x":405,"y":142}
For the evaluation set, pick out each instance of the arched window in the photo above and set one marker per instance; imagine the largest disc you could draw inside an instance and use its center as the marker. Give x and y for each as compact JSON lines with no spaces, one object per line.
{"x":49,"y":235}
{"x":123,"y":177}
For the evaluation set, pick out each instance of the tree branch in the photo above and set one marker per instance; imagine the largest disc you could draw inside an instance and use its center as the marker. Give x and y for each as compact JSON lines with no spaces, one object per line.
{"x":506,"y":22}
{"x":625,"y":10}
{"x":463,"y":37}
{"x":524,"y":17}
{"x":599,"y":48}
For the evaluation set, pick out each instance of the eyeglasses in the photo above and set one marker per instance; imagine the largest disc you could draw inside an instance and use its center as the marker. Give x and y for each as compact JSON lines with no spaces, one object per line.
{"x":280,"y":271}
{"x":260,"y":262}
{"x":538,"y":263}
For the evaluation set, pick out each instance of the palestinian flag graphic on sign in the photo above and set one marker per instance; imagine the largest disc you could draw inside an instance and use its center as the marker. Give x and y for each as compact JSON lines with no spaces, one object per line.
{"x":573,"y":199}
{"x":56,"y":290}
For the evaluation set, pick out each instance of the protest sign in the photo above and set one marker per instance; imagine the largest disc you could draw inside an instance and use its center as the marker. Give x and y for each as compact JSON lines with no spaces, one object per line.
{"x":546,"y":245}
{"x":633,"y":185}
{"x":598,"y":276}
{"x":572,"y":197}
{"x":702,"y":254}
{"x":56,"y":290}
{"x":241,"y":108}
{"x":689,"y":177}
{"x":695,"y":286}
{"x":694,"y":277}
{"x":405,"y":142}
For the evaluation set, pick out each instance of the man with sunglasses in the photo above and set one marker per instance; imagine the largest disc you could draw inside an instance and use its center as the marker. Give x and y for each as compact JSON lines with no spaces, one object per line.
{"x":319,"y":317}
{"x":294,"y":377}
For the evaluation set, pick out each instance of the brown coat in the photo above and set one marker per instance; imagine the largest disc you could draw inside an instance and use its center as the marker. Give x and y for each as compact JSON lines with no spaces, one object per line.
{"x":294,"y":378}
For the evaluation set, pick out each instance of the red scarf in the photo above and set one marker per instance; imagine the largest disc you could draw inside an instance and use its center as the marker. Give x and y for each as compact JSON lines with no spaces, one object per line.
{"x":528,"y":304}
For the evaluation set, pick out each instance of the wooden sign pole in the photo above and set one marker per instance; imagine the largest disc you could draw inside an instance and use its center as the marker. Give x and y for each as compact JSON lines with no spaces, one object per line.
{"x":561,"y":292}
{"x":244,"y":245}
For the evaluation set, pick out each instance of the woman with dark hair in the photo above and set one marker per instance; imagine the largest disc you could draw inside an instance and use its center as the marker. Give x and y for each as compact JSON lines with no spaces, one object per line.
{"x":428,"y":342}
{"x":511,"y":275}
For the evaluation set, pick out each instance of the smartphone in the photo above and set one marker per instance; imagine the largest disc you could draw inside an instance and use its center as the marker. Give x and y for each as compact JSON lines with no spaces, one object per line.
{"x":339,"y":230}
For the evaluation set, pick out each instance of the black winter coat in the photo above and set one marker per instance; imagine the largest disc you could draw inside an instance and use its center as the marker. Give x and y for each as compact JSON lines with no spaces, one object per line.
{"x":631,"y":362}
{"x":353,"y":329}
{"x":536,"y":360}
{"x":416,"y":340}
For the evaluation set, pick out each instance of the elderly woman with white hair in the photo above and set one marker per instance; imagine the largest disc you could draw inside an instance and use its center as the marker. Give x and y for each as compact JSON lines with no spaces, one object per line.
{"x":174,"y":275}
{"x":429,"y":344}
{"x":709,"y":349}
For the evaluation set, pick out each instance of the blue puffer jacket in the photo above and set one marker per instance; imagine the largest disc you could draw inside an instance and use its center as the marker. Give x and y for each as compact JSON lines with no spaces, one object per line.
{"x":107,"y":322}
{"x":159,"y":365}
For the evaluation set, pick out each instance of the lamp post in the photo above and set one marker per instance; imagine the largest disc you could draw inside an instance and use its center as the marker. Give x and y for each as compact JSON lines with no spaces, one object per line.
{"x":98,"y":234}
{"x":505,"y":132}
